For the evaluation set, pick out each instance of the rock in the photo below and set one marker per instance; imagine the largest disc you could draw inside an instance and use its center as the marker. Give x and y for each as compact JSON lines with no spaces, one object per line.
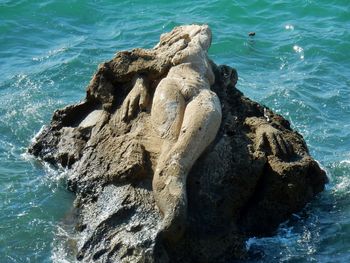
{"x":243,"y":180}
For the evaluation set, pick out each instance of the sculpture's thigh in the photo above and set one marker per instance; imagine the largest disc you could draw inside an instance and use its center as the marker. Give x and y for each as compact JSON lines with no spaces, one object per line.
{"x":168,"y":109}
{"x":202,"y":119}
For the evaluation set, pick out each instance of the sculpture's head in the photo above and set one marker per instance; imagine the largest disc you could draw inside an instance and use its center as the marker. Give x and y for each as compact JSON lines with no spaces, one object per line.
{"x":205,"y":37}
{"x":198,"y":34}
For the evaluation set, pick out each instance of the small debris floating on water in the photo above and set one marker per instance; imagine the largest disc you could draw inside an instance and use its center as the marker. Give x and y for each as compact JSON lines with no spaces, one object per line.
{"x":251,"y":34}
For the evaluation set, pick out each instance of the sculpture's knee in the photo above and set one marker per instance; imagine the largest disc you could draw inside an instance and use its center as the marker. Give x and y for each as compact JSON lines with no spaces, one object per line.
{"x":201,"y":123}
{"x":211,"y":119}
{"x":212,"y":102}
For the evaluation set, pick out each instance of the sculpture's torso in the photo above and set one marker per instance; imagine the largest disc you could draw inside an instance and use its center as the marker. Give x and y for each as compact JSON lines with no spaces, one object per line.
{"x":192,"y":77}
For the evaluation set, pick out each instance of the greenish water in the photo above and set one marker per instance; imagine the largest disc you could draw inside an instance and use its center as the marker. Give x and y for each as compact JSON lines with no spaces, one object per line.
{"x":297,"y":64}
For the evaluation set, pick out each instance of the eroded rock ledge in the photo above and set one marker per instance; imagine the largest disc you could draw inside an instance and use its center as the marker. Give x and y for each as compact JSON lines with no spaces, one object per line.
{"x":253,"y":172}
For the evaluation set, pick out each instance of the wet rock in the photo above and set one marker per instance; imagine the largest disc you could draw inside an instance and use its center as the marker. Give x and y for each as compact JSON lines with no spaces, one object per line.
{"x":255,"y":174}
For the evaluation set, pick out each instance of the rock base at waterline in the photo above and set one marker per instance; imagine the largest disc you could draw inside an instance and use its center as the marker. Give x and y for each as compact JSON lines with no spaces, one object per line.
{"x":252,"y":177}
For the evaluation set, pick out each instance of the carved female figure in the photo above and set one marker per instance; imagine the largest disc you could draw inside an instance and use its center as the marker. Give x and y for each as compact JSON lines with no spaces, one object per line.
{"x":186,"y":114}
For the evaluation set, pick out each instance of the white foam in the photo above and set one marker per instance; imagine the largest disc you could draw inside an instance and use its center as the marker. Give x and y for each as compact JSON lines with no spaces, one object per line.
{"x":345,"y":162}
{"x":34,"y":139}
{"x":289,"y":27}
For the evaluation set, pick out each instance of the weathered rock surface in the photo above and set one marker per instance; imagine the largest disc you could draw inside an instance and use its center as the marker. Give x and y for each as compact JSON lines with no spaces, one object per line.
{"x":255,"y":174}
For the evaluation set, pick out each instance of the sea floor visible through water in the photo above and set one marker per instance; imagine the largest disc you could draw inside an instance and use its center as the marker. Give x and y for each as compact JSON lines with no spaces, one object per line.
{"x":297,"y":64}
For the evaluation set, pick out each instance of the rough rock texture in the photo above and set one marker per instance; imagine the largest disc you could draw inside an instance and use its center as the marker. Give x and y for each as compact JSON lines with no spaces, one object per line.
{"x":255,"y":174}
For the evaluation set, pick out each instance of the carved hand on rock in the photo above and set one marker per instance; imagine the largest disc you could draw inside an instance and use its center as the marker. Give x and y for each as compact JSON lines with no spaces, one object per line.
{"x":138,"y":98}
{"x":269,"y":139}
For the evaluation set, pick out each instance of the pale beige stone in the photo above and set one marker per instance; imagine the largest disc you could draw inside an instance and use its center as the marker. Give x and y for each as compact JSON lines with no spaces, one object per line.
{"x":187,"y":115}
{"x":92,"y":119}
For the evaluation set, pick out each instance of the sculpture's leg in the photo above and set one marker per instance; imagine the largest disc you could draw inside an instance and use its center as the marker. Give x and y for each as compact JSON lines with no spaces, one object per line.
{"x":168,"y":109}
{"x":202,"y":118}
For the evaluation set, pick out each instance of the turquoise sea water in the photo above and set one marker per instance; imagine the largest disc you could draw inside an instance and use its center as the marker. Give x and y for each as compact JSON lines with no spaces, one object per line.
{"x":297,"y":64}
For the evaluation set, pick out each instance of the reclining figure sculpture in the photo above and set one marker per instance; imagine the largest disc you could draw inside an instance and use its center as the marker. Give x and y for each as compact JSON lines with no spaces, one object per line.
{"x":186,"y":115}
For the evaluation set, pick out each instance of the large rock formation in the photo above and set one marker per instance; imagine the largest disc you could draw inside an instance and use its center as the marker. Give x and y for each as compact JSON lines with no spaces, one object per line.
{"x":147,"y":191}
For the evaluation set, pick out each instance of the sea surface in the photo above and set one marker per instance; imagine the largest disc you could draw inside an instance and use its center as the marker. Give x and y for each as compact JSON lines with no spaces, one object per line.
{"x":298,"y":64}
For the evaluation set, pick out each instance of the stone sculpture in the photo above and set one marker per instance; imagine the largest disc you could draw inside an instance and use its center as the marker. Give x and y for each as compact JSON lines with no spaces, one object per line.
{"x":171,"y":163}
{"x":186,"y":115}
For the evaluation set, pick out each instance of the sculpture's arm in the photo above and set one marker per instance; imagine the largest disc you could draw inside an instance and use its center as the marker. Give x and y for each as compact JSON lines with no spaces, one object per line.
{"x":191,"y":53}
{"x":138,"y":98}
{"x":182,"y":55}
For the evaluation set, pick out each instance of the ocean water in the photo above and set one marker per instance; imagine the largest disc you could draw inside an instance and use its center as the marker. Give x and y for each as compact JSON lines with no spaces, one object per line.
{"x":297,"y":64}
